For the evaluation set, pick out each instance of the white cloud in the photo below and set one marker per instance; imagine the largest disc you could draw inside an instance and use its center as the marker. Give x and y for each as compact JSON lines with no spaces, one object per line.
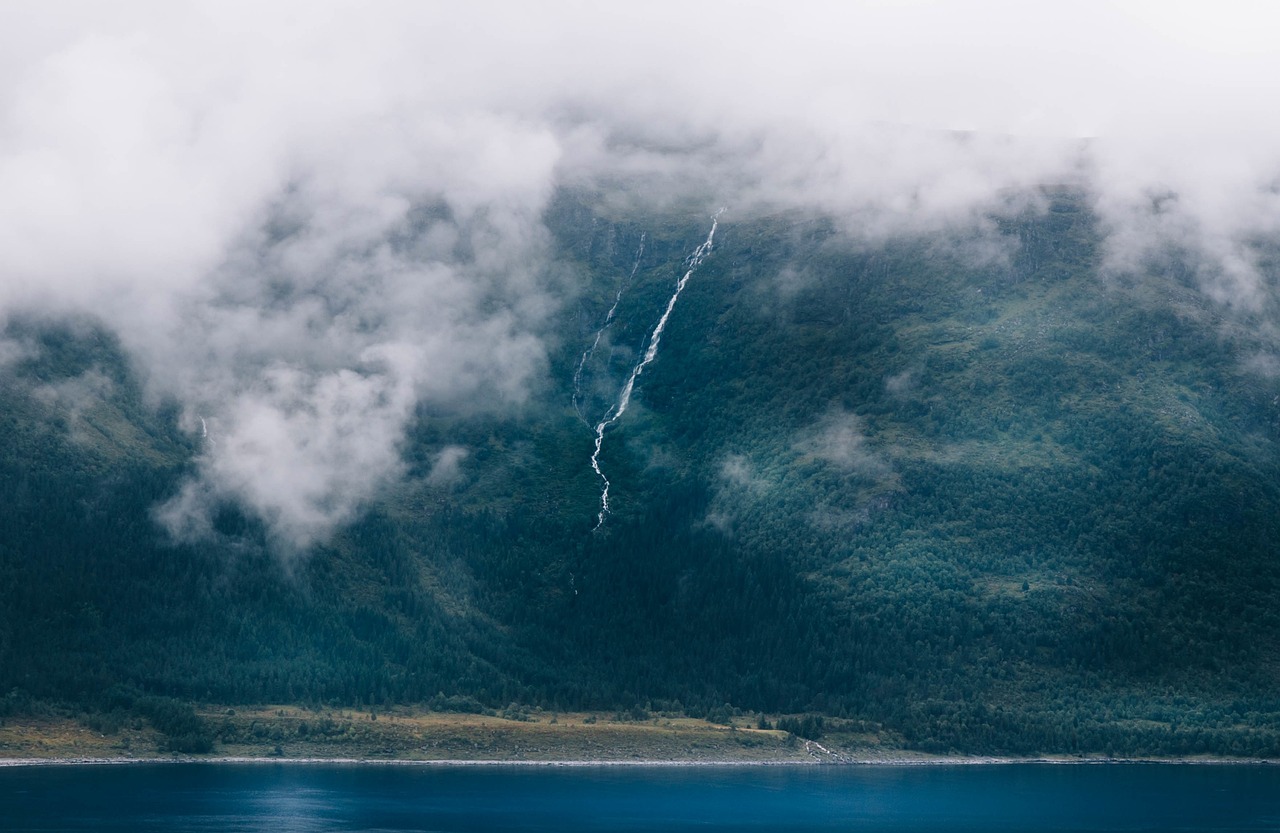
{"x":304,"y":218}
{"x":839,"y":439}
{"x":447,"y":468}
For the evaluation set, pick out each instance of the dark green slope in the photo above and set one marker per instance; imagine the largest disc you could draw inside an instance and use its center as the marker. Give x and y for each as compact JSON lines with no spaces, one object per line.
{"x":93,"y":595}
{"x":999,"y":503}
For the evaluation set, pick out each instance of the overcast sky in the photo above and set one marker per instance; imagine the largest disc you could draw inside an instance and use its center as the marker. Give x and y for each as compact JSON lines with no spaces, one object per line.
{"x":152,"y":153}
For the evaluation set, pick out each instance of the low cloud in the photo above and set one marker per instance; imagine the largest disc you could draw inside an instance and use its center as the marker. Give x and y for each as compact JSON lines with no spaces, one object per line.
{"x":13,"y":351}
{"x":839,"y":440}
{"x":900,"y":384}
{"x":738,"y":490}
{"x":447,"y":468}
{"x":75,"y":396}
{"x":1266,"y":365}
{"x":312,"y":354}
{"x":737,"y":471}
{"x":304,"y":220}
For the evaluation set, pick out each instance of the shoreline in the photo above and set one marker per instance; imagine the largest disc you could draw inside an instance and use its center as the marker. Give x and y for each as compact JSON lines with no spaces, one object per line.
{"x":961,"y":760}
{"x":269,"y":734}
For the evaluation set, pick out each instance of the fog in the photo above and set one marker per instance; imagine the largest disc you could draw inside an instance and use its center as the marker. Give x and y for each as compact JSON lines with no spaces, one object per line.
{"x":306,"y":220}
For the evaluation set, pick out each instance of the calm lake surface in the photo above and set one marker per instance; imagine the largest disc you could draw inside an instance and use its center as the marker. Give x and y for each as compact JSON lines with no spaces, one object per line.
{"x":284,"y":797}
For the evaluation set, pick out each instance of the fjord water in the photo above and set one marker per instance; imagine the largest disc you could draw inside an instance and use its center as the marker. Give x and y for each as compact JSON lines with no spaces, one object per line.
{"x":284,"y":797}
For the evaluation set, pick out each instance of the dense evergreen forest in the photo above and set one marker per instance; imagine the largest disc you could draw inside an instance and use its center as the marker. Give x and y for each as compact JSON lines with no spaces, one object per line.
{"x":989,"y":497}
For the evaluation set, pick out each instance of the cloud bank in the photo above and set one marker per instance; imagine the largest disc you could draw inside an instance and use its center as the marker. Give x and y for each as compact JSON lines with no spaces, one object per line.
{"x":305,"y":219}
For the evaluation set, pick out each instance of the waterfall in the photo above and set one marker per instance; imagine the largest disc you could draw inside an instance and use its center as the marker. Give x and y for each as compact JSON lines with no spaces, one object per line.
{"x":651,"y":352}
{"x":608,"y":319}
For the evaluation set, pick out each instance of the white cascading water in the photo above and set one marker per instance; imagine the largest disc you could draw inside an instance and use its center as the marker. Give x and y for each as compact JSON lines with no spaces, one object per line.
{"x":204,"y":432}
{"x":608,"y":319}
{"x":624,"y":399}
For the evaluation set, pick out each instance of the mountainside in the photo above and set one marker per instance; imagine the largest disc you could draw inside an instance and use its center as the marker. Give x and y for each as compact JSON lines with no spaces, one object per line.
{"x":967,"y":486}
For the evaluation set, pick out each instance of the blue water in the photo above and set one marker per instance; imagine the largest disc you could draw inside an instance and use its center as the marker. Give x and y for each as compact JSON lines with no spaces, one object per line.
{"x":283,"y":798}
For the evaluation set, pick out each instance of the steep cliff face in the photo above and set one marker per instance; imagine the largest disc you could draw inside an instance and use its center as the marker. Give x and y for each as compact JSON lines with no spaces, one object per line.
{"x":968,"y":485}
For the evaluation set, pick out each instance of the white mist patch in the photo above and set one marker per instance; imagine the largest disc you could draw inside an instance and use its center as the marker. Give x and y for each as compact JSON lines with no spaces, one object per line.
{"x":74,"y":397}
{"x":839,"y":439}
{"x":76,"y":393}
{"x":447,"y":469}
{"x":294,"y":236}
{"x":900,"y":384}
{"x":737,"y":471}
{"x":608,"y":320}
{"x":1265,"y":365}
{"x":309,"y":351}
{"x":1220,"y":233}
{"x":740,"y":489}
{"x":858,"y":473}
{"x":13,"y":351}
{"x":655,"y":339}
{"x":282,"y":209}
{"x":303,"y":451}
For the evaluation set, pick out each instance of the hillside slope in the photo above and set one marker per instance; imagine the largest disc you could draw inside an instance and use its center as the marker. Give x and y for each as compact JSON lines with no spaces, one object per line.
{"x":970,"y":488}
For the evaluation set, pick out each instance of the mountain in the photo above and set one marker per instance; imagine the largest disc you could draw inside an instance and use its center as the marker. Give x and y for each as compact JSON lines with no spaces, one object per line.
{"x":969,"y":485}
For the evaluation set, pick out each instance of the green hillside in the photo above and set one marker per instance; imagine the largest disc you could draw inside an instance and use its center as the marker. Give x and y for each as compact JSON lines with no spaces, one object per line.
{"x":972,"y":489}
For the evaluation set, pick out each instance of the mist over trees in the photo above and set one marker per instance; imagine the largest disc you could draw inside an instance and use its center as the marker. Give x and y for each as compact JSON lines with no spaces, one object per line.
{"x":963,"y":431}
{"x":991,"y":505}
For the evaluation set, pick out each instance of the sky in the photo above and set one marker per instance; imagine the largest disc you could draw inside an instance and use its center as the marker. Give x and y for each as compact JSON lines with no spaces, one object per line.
{"x":228,"y":186}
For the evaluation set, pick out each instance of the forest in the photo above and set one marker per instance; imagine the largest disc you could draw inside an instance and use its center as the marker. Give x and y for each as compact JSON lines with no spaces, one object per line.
{"x":1002,"y":504}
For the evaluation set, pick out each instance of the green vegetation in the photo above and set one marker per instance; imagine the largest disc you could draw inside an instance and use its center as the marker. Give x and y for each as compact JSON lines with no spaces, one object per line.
{"x":409,"y":734}
{"x":1000,"y":504}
